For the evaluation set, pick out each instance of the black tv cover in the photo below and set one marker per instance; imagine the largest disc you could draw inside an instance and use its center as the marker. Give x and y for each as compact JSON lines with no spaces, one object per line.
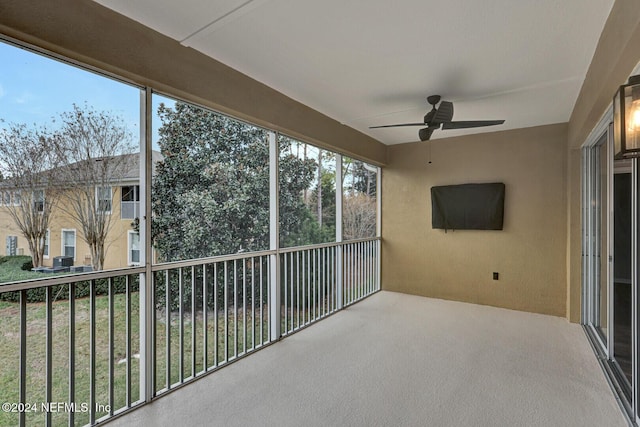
{"x":468,"y":206}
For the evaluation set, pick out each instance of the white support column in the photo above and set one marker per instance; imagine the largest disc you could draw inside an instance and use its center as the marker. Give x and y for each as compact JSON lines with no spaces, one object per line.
{"x":339,"y":251}
{"x":147,"y":309}
{"x":274,"y":239}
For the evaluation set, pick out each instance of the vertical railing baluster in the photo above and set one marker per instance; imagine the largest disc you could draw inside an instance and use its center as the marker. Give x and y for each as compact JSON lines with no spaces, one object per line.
{"x":351,"y":277}
{"x":253,"y":303}
{"x":345,"y":279}
{"x":313,"y":286}
{"x":193,"y":321}
{"x":270,"y":300}
{"x":285,"y":285}
{"x":372,"y":269}
{"x":72,"y":350}
{"x":216,"y":352}
{"x":325,"y":275}
{"x":235,"y":308}
{"x":205,"y":319}
{"x":298,"y":289}
{"x":367,"y":268}
{"x":167,"y":309}
{"x":292,"y":283}
{"x":244,"y":305}
{"x":320,"y":280}
{"x":311,"y":255}
{"x":111,"y":351}
{"x":262,"y":303}
{"x":378,"y":264}
{"x":226,"y":313}
{"x":306,"y":277}
{"x":23,"y":355}
{"x":354,"y":272}
{"x":49,"y":362}
{"x":358,"y":261}
{"x":92,"y":351}
{"x":359,"y":269}
{"x":181,"y":327}
{"x":367,"y":264}
{"x":127,"y":343}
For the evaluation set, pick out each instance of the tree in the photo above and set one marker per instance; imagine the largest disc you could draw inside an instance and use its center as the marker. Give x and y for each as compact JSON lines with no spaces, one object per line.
{"x":359,"y":205}
{"x":27,"y":160}
{"x":358,"y":216}
{"x":97,"y":149}
{"x":211,"y":190}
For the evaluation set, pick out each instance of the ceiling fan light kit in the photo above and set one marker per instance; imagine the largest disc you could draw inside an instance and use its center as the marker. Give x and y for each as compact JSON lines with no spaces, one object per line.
{"x":441,"y":118}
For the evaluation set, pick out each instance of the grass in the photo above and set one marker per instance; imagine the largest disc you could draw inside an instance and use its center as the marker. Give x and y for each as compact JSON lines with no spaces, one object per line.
{"x":36,"y":351}
{"x":36,"y":356}
{"x":225,"y":341}
{"x":11,"y":270}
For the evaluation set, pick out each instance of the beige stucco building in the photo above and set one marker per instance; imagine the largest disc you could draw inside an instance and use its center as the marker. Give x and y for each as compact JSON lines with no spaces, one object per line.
{"x":65,"y":234}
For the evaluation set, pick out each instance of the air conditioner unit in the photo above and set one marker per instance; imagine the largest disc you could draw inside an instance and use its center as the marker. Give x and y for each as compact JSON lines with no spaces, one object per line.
{"x":62,"y":261}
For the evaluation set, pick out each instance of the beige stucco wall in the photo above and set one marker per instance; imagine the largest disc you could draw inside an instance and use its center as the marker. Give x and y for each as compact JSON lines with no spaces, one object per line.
{"x":616,"y":55}
{"x":529,"y":253}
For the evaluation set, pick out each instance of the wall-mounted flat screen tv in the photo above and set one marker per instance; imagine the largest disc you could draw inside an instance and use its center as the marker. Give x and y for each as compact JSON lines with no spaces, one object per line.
{"x":468,"y":206}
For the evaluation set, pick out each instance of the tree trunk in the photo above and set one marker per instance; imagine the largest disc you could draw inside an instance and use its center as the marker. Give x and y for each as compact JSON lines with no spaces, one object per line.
{"x":36,"y":259}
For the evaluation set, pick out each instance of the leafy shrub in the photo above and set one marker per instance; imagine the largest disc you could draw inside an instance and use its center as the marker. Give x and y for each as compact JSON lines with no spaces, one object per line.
{"x":27,"y":265}
{"x":82,"y":290}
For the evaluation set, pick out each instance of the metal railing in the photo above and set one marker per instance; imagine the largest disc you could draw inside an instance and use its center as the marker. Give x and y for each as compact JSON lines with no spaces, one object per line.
{"x":74,"y":346}
{"x":208,"y":313}
{"x":76,"y":343}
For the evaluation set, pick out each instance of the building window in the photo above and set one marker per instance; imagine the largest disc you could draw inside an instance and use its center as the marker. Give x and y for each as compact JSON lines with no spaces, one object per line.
{"x":130,"y":202}
{"x":69,"y":243}
{"x":103,"y":199}
{"x":38,"y":201}
{"x":133,"y":257}
{"x":47,"y":242}
{"x":16,"y":198}
{"x":12,"y":246}
{"x":6,"y":198}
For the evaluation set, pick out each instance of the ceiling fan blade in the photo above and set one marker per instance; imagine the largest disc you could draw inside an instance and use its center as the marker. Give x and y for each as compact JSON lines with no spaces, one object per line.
{"x":426,"y":133}
{"x":444,"y":113}
{"x":398,"y":125}
{"x":471,"y":124}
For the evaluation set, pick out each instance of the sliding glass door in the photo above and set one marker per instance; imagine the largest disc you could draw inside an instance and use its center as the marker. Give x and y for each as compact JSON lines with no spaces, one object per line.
{"x":609,"y":262}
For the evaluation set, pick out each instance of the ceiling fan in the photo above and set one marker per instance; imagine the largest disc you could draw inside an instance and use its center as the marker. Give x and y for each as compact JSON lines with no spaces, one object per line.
{"x":441,"y":116}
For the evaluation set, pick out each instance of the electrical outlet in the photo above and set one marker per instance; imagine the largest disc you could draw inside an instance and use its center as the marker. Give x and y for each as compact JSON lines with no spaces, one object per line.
{"x":496,"y":275}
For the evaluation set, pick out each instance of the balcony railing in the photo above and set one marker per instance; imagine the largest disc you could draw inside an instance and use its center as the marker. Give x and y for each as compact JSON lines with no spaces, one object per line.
{"x":80,"y":349}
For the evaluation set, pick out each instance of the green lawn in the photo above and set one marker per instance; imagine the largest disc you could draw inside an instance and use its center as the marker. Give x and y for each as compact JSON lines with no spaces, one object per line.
{"x":36,"y":353}
{"x":11,"y":270}
{"x":36,"y":342}
{"x":221,"y":347}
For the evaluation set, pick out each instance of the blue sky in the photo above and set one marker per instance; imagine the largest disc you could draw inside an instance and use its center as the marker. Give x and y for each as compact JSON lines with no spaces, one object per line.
{"x":34,"y":89}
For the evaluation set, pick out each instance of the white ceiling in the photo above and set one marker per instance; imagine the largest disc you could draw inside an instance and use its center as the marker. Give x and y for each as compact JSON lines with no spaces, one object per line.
{"x":374,"y":62}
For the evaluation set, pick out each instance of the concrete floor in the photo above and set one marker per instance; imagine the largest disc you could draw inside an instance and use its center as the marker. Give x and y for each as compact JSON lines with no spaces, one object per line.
{"x":401,"y":360}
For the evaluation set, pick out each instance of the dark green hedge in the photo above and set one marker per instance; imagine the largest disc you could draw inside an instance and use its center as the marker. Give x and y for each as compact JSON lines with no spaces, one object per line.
{"x":82,"y":290}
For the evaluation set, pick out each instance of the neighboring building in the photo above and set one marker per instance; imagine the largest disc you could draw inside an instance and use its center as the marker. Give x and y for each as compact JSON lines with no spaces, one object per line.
{"x":121,"y":200}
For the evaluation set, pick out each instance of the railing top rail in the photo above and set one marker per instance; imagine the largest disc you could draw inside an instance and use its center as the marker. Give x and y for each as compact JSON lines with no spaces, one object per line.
{"x":209,"y":260}
{"x":68,"y":278}
{"x":82,"y":277}
{"x":327,"y":245}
